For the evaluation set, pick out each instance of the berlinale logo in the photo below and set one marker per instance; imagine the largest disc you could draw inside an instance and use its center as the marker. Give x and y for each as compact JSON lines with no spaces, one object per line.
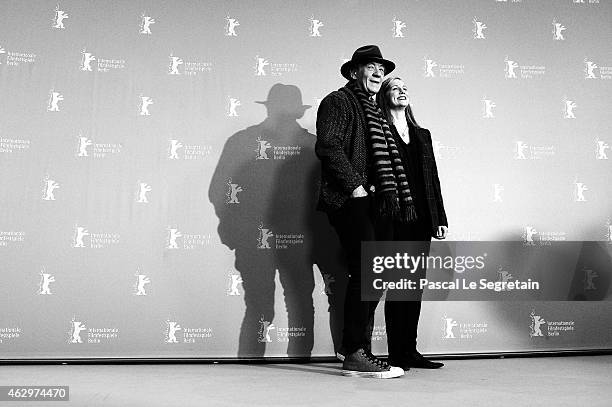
{"x":172,"y":327}
{"x":230,"y":26}
{"x":478,"y":29}
{"x":232,"y":192}
{"x":141,"y":281}
{"x":58,"y":19}
{"x":315,"y":25}
{"x":557,"y":31}
{"x":53,"y":101}
{"x":535,"y":326}
{"x":145,"y":24}
{"x":45,"y":281}
{"x":398,"y":26}
{"x":448,"y":325}
{"x":264,"y":330}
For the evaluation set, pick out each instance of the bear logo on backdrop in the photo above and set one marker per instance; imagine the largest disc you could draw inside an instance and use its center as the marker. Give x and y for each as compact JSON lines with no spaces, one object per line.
{"x":398,"y":26}
{"x":54,"y":99}
{"x":145,"y":24}
{"x":58,"y":19}
{"x":558,"y":29}
{"x":478,"y":29}
{"x":45,"y":283}
{"x":230,"y":26}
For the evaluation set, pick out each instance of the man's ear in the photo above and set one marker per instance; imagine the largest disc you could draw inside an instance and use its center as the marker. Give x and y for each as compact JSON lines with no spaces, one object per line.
{"x":354,"y":73}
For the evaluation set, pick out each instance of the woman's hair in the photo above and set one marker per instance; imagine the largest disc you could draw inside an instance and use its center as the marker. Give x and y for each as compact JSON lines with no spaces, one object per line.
{"x":383,"y":103}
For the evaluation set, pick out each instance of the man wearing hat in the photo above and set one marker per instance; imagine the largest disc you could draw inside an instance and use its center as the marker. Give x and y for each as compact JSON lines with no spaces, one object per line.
{"x":348,"y":123}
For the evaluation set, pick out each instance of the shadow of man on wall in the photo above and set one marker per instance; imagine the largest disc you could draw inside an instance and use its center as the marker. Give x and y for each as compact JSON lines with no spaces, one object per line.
{"x":264,"y":190}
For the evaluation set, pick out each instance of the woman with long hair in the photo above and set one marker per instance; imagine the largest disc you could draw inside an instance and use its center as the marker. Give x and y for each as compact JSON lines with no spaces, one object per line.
{"x":426,"y":220}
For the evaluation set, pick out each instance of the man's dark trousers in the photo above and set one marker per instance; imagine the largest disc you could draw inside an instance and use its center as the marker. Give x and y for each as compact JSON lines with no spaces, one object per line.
{"x":353,"y":225}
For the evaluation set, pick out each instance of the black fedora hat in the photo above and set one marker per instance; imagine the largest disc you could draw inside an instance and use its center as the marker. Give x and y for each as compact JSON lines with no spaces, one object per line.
{"x":367,"y":53}
{"x":287,"y":98}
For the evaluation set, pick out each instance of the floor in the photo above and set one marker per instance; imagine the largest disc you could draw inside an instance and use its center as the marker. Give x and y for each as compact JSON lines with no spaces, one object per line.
{"x":541,"y":381}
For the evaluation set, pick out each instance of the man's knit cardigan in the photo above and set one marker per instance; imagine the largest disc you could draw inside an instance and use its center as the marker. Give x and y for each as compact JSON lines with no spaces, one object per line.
{"x":341,"y":147}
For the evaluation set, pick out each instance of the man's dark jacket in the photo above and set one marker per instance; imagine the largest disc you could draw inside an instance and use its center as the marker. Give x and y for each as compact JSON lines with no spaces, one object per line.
{"x":341,"y":147}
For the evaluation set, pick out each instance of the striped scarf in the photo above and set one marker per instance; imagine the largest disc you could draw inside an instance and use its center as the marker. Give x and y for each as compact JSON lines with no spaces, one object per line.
{"x":393,"y":198}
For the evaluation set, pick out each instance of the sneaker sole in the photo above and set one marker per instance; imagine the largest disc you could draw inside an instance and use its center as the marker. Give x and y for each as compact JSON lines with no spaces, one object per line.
{"x":387,"y":374}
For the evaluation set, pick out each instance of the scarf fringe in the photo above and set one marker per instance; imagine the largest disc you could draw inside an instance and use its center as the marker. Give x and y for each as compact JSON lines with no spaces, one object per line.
{"x":409,"y":213}
{"x":387,"y":205}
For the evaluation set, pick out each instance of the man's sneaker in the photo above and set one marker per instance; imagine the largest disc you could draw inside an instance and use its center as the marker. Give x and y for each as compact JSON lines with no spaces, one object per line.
{"x":363,"y":364}
{"x":341,"y":353}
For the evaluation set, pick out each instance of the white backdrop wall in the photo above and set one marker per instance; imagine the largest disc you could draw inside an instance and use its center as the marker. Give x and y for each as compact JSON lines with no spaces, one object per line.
{"x":140,"y":183}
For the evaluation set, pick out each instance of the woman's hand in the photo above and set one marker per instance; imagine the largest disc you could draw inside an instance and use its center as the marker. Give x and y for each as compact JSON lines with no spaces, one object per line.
{"x":441,"y":232}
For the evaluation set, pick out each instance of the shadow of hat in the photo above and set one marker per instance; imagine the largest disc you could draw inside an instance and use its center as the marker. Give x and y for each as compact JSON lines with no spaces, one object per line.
{"x":365,"y":54}
{"x":285,"y":98}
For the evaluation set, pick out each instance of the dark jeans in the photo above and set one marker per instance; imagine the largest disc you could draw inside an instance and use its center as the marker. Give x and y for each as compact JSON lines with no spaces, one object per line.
{"x":402,"y":317}
{"x":353,"y":225}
